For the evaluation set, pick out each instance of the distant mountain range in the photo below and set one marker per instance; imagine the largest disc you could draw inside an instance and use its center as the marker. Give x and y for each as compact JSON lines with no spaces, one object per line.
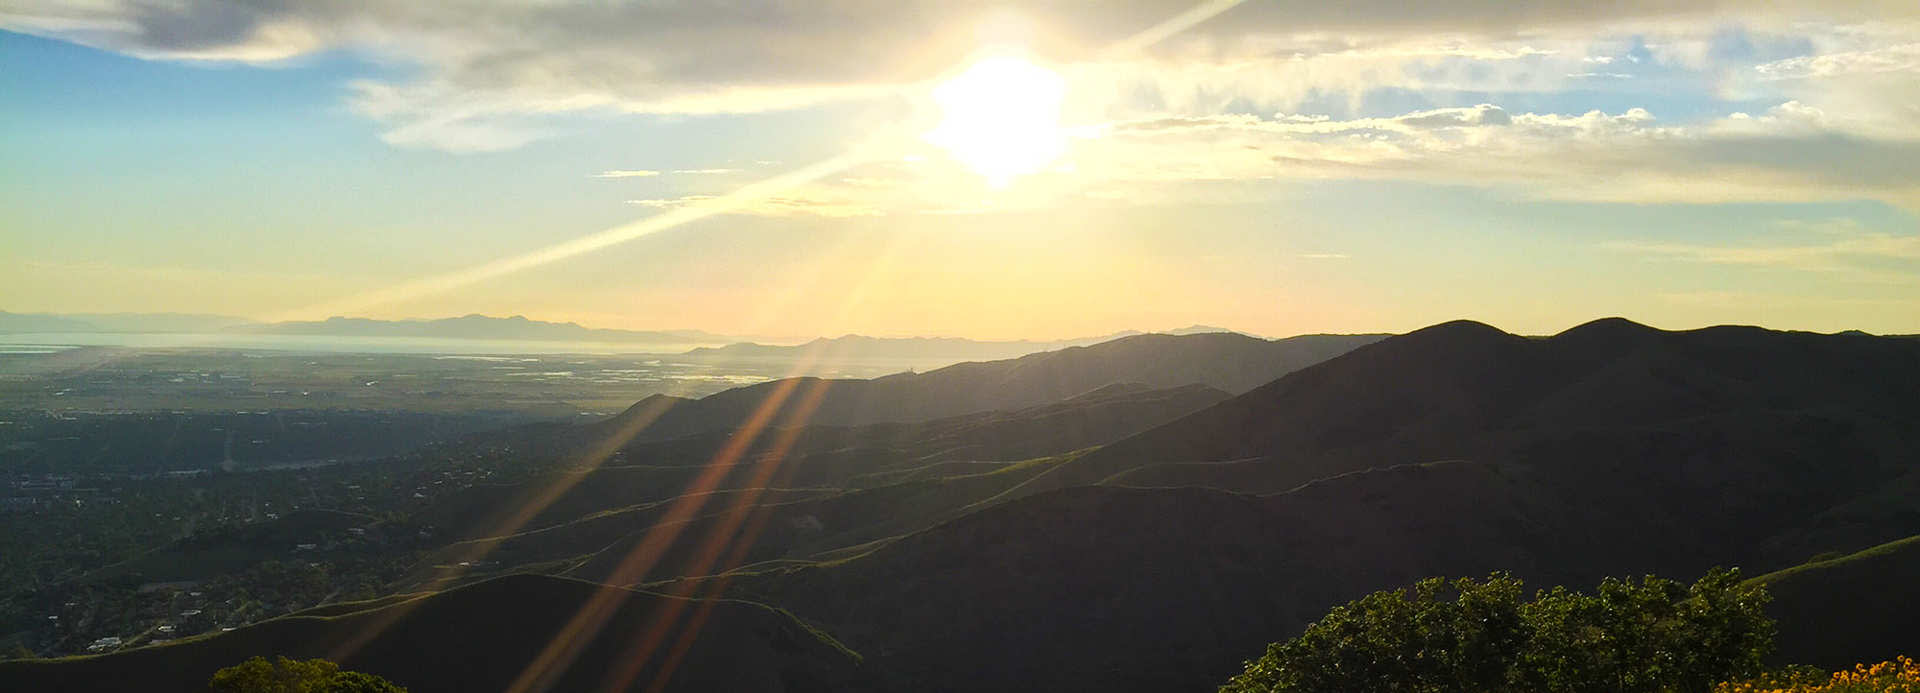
{"x":942,"y":350}
{"x":917,"y":352}
{"x":119,"y":322}
{"x":483,"y":327}
{"x":1223,"y":360}
{"x":913,"y":352}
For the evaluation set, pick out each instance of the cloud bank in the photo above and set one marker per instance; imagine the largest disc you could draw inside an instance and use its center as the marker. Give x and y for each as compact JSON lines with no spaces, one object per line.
{"x":1267,"y":90}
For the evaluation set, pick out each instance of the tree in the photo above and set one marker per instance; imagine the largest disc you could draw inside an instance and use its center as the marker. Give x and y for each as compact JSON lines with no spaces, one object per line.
{"x":284,"y":675}
{"x":1631,"y":636}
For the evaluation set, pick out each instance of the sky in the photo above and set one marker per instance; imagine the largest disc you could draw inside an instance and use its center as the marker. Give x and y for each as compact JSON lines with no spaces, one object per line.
{"x":1015,"y":170}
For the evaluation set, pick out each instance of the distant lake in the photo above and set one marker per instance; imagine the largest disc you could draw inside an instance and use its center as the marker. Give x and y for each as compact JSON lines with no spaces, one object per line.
{"x":41,"y":342}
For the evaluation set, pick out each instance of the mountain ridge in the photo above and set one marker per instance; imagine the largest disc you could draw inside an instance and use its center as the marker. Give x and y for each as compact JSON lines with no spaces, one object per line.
{"x":1224,"y":361}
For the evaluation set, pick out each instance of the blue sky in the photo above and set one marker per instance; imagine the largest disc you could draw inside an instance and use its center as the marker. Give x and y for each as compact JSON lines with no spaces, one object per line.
{"x":1277,"y":168}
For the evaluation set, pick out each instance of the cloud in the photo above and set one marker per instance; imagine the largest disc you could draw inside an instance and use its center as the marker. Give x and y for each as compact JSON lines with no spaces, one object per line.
{"x":1483,"y":114}
{"x":1902,"y":58}
{"x":1867,"y":82}
{"x":1788,"y":153}
{"x":491,"y":74}
{"x":623,"y":173}
{"x":814,"y":203}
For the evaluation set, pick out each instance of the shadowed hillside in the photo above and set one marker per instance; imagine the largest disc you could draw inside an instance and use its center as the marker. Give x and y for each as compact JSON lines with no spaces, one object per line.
{"x":1108,"y":589}
{"x":819,"y":457}
{"x":480,"y":638}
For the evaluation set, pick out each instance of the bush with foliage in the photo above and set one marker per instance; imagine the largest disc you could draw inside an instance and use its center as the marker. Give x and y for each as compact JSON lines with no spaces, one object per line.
{"x":1630,"y":636}
{"x":1900,"y":675}
{"x":284,"y":675}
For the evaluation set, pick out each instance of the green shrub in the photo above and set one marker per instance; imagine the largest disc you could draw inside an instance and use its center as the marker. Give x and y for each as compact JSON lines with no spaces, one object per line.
{"x":1631,"y":636}
{"x":284,"y":675}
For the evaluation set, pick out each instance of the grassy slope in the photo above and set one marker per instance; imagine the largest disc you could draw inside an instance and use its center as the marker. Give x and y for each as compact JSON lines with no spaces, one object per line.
{"x":1112,"y":589}
{"x":1862,"y":607}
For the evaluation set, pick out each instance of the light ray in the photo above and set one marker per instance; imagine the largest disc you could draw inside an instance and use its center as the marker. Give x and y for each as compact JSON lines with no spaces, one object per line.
{"x":1168,"y":28}
{"x":523,"y":512}
{"x":695,"y":211}
{"x":723,"y":535}
{"x":592,"y":617}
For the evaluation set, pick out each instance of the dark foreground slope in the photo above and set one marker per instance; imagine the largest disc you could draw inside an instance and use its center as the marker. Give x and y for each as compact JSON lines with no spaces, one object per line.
{"x":1226,"y":361}
{"x":1110,"y":589}
{"x":1861,"y":607}
{"x":1123,"y":589}
{"x":819,"y":458}
{"x":481,"y":638}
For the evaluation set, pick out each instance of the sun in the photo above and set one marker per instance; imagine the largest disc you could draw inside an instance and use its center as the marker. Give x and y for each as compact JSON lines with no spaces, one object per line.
{"x":1001,"y":118}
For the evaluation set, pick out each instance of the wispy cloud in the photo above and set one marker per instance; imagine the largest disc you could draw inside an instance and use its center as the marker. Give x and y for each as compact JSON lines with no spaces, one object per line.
{"x":798,"y":203}
{"x":626,"y":173}
{"x":1837,"y":248}
{"x":670,"y":202}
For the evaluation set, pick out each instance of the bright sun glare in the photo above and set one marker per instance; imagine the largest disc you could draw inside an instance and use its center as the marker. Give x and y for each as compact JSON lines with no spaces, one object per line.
{"x":1001,"y":118}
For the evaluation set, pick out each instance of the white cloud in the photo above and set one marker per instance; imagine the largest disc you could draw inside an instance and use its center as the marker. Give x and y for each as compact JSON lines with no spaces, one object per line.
{"x":490,"y":70}
{"x":1901,"y":58}
{"x":625,"y":173}
{"x":1784,"y":154}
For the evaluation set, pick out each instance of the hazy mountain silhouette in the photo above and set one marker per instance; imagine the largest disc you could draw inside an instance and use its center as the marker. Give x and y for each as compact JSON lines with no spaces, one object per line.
{"x":483,"y":327}
{"x":1202,"y":329}
{"x":118,"y":322}
{"x":937,"y":351}
{"x":1230,"y":362}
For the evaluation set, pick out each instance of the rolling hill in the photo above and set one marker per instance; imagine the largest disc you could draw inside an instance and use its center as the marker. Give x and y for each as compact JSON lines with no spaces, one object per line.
{"x":1231,"y":362}
{"x":1465,"y":390}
